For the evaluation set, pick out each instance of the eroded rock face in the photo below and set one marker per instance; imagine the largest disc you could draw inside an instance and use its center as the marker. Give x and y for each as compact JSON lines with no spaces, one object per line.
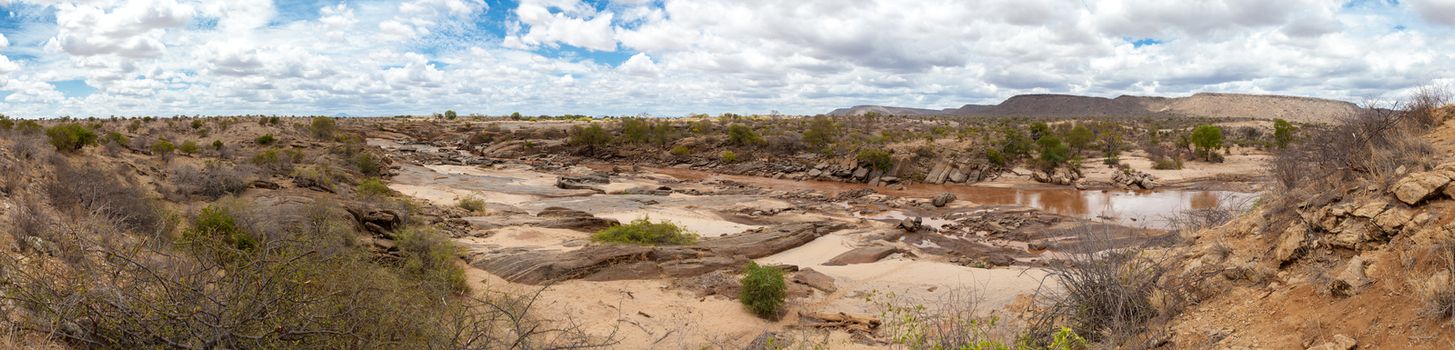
{"x":1420,"y":186}
{"x":558,"y":217}
{"x":619,"y":262}
{"x":862,"y":255}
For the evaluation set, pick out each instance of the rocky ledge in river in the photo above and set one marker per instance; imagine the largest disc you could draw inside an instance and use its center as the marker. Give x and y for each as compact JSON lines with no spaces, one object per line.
{"x":623,"y":262}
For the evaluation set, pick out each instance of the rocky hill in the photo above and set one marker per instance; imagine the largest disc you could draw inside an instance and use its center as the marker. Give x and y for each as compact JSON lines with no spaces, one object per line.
{"x":1299,"y":109}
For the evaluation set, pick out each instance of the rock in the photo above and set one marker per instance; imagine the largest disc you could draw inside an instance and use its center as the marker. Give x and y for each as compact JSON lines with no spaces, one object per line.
{"x":1129,"y":178}
{"x":578,"y":183}
{"x":862,"y":255}
{"x":815,"y":173}
{"x":1350,"y":233}
{"x":1371,"y":209}
{"x":815,"y":279}
{"x":861,"y":174}
{"x":380,"y":222}
{"x":1392,"y":220}
{"x":264,"y":184}
{"x":573,"y":219}
{"x":1291,"y":243}
{"x":911,"y":224}
{"x":769,"y":340}
{"x":842,"y":321}
{"x":1351,"y":280}
{"x":957,"y":176}
{"x":1340,"y":342}
{"x":943,"y":198}
{"x":1419,"y":186}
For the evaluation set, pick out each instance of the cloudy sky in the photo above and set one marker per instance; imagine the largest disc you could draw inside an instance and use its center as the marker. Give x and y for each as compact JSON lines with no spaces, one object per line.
{"x":672,"y":57}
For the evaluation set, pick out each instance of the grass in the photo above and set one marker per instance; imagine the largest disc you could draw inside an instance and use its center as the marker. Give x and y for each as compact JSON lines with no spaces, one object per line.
{"x":763,"y":291}
{"x":645,"y":232}
{"x":472,"y":203}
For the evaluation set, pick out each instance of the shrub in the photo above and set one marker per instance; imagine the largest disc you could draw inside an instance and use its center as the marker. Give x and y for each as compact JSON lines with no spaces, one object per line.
{"x":214,"y":180}
{"x":875,"y":158}
{"x":265,"y":140}
{"x":70,"y":137}
{"x":322,"y":128}
{"x":1167,"y":163}
{"x":451,"y":115}
{"x":196,"y":123}
{"x":742,"y":135}
{"x":822,"y":131}
{"x":6,"y":123}
{"x":373,"y":187}
{"x":117,"y":138}
{"x":98,"y":190}
{"x":1207,"y":139}
{"x":591,"y":137}
{"x":1016,"y":145}
{"x":271,"y":160}
{"x":645,"y":232}
{"x":1052,"y":151}
{"x":368,"y":164}
{"x":217,"y":145}
{"x":319,"y":176}
{"x":995,"y":158}
{"x":1105,"y":291}
{"x":217,"y":222}
{"x":188,"y":147}
{"x":431,"y":257}
{"x":763,"y":291}
{"x":1282,"y":132}
{"x":472,"y":204}
{"x":680,"y":150}
{"x":729,"y":157}
{"x":28,"y":127}
{"x":1079,"y":137}
{"x":163,"y":147}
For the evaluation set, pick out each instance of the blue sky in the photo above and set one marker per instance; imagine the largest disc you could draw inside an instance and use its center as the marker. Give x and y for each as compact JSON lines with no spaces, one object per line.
{"x":674,"y":57}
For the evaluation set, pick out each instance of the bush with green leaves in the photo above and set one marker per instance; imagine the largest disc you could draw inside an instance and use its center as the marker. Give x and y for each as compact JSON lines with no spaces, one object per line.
{"x":163,"y":147}
{"x":995,"y":158}
{"x":1053,"y":153}
{"x":430,"y":256}
{"x":591,"y":137}
{"x":373,"y":187}
{"x":1207,"y":139}
{"x":877,"y":159}
{"x":822,"y":131}
{"x":367,"y":163}
{"x":743,"y":135}
{"x":188,"y":147}
{"x":645,"y":232}
{"x":217,"y":145}
{"x":6,"y":123}
{"x":29,"y":127}
{"x":117,"y":138}
{"x":472,"y":204}
{"x":70,"y":137}
{"x":729,"y":157}
{"x":451,"y":115}
{"x":1282,"y":132}
{"x":681,"y":150}
{"x":1079,"y":137}
{"x":219,"y":222}
{"x":265,"y":140}
{"x":763,"y":290}
{"x":322,"y":128}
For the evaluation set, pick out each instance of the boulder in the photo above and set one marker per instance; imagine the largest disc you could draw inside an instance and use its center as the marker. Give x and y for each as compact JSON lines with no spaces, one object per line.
{"x":1351,"y":280}
{"x":943,"y":198}
{"x":815,"y":279}
{"x":1419,"y":186}
{"x":862,"y":255}
{"x":1340,"y":342}
{"x":911,"y":224}
{"x":1291,"y":243}
{"x":1371,"y":209}
{"x":1392,"y":220}
{"x":578,"y":183}
{"x":1129,"y":178}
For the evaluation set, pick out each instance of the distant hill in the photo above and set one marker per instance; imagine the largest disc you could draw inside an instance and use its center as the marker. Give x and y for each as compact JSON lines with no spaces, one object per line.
{"x":1299,"y":109}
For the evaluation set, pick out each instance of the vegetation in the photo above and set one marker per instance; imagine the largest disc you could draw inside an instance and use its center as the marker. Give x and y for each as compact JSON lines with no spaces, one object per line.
{"x":322,"y":128}
{"x":373,"y":187}
{"x":763,"y":290}
{"x":645,"y":232}
{"x":743,"y":135}
{"x":472,"y":204}
{"x":729,"y":156}
{"x":876,"y":159}
{"x":70,"y":137}
{"x":822,"y":131}
{"x":1053,"y":153}
{"x":1208,"y":139}
{"x":28,"y":127}
{"x":681,"y":150}
{"x":188,"y":147}
{"x":591,"y":137}
{"x":1079,"y":137}
{"x":6,"y":123}
{"x":1282,"y":133}
{"x":265,"y":140}
{"x":163,"y":148}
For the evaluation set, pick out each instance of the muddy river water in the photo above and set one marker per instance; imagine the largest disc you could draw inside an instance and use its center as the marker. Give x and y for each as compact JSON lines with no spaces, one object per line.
{"x":1137,"y":208}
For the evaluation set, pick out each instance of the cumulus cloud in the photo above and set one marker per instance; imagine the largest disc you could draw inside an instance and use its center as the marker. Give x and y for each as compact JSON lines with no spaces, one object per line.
{"x":674,"y":57}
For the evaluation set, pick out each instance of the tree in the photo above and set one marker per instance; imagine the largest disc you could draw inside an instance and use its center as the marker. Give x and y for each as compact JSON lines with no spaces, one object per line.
{"x":1207,"y":139}
{"x":742,"y":135}
{"x":822,"y":131}
{"x":1282,"y":132}
{"x":592,"y":137}
{"x":1016,"y":145}
{"x":450,"y":114}
{"x":322,"y":127}
{"x":1053,"y":152}
{"x":1039,"y":129}
{"x":1079,"y":137}
{"x":635,"y":130}
{"x":70,"y":137}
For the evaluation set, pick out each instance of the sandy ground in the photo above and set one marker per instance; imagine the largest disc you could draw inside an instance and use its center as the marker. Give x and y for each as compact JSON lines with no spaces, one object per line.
{"x":1235,"y":166}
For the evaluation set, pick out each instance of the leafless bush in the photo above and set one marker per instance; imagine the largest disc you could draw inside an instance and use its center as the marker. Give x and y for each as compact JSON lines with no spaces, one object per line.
{"x":950,"y":321}
{"x":96,"y":189}
{"x":1437,"y":291}
{"x":29,"y":220}
{"x":1228,"y":207}
{"x":212,"y":181}
{"x":1372,"y":145}
{"x":1104,"y":294}
{"x":31,"y":148}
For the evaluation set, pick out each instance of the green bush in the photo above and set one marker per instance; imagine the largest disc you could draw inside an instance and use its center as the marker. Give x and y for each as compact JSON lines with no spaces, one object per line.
{"x":472,"y":203}
{"x":763,"y":291}
{"x":431,"y":257}
{"x":315,"y":175}
{"x":117,"y":138}
{"x":680,"y":150}
{"x":1053,"y":152}
{"x":217,"y":145}
{"x":822,"y":131}
{"x":742,"y":135}
{"x":729,"y":156}
{"x":995,"y":158}
{"x":876,"y":159}
{"x":218,"y":222}
{"x":451,"y":115}
{"x":29,"y":127}
{"x":265,"y":140}
{"x":1207,"y":139}
{"x":373,"y":187}
{"x":591,"y":137}
{"x":1079,"y":137}
{"x":70,"y":137}
{"x":322,"y":128}
{"x":6,"y":123}
{"x":645,"y":232}
{"x":368,"y":164}
{"x":188,"y":147}
{"x":163,"y":147}
{"x":1282,"y":132}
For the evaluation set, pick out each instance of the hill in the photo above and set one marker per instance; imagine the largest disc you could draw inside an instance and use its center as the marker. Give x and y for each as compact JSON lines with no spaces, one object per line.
{"x":1299,"y":109}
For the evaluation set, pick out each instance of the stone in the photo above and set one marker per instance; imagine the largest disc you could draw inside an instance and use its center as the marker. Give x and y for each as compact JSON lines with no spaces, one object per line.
{"x":815,"y":173}
{"x":1371,"y":209}
{"x":861,"y":173}
{"x":862,"y":255}
{"x":911,"y":224}
{"x":1340,"y":342}
{"x":1392,"y":220}
{"x":1291,"y":243}
{"x":943,"y":198}
{"x":1350,"y":233}
{"x":1352,"y":279}
{"x":815,"y":279}
{"x":1419,"y":186}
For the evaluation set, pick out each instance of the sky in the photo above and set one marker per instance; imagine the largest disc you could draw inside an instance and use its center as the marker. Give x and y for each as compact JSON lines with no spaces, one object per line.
{"x":675,"y":57}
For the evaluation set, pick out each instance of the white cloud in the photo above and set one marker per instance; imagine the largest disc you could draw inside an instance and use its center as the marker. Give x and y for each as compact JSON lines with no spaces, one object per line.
{"x":1435,"y":11}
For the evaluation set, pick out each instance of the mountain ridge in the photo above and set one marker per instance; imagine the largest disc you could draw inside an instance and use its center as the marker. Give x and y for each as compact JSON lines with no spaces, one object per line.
{"x":1202,"y":104}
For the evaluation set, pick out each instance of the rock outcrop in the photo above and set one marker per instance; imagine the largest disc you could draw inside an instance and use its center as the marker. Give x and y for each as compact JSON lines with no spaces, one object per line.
{"x":620,"y":262}
{"x":1129,"y":178}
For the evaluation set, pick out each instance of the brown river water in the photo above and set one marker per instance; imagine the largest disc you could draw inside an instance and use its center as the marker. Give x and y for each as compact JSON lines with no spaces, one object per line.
{"x":1144,"y":208}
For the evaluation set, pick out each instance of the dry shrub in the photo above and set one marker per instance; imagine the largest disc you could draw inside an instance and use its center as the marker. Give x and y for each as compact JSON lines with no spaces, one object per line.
{"x":950,"y":321}
{"x":1437,"y":291}
{"x":1104,"y":293}
{"x":214,"y":180}
{"x":96,"y":189}
{"x":1228,"y":208}
{"x":1372,"y":145}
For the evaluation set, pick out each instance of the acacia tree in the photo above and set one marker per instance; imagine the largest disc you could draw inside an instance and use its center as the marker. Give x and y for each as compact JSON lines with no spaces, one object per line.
{"x":1079,"y":137}
{"x":1207,"y":139}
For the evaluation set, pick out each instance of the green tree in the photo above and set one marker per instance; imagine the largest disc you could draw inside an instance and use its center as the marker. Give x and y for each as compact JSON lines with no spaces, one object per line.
{"x":1207,"y":139}
{"x":743,"y":135}
{"x":1079,"y":137}
{"x":1016,"y":145}
{"x":1039,"y":130}
{"x":821,"y":132}
{"x":876,"y":159}
{"x":70,"y":137}
{"x":591,"y":137}
{"x":1282,"y":132}
{"x":450,"y":114}
{"x":1053,"y":152}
